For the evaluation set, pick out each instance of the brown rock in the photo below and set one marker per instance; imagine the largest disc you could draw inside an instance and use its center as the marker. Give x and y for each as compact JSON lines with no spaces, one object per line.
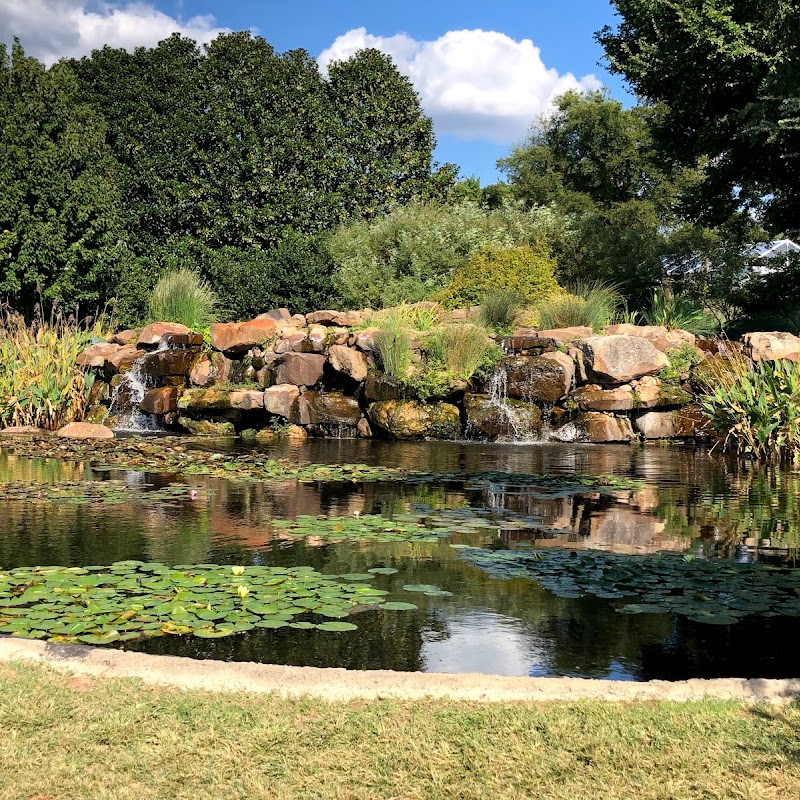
{"x":167,"y":362}
{"x":619,"y":359}
{"x":160,"y":401}
{"x":205,"y":400}
{"x":409,"y":419}
{"x":20,"y":430}
{"x":279,"y":399}
{"x":662,"y":338}
{"x":513,"y":420}
{"x":337,"y":409}
{"x":342,"y":319}
{"x":246,"y":400}
{"x":128,"y":336}
{"x":563,"y":335}
{"x":317,"y":338}
{"x":596,"y":427}
{"x":201,"y":372}
{"x":85,"y":430}
{"x":207,"y":427}
{"x":544,"y":379}
{"x":363,"y":429}
{"x":300,"y":343}
{"x":593,"y":397}
{"x":365,"y":340}
{"x":97,"y":354}
{"x":99,"y":393}
{"x":300,"y":369}
{"x":772,"y":346}
{"x":151,"y":334}
{"x":296,"y":433}
{"x":684,"y":423}
{"x":381,"y":387}
{"x":239,"y":337}
{"x":124,"y":357}
{"x":348,"y":361}
{"x":277,"y":314}
{"x":183,"y":339}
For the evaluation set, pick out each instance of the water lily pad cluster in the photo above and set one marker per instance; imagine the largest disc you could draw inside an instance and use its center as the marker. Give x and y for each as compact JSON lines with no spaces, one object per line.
{"x":105,"y":492}
{"x":132,"y":600}
{"x":180,"y":455}
{"x":715,"y":591}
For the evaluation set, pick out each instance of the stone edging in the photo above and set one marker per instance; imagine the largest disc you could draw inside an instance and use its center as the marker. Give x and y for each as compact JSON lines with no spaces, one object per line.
{"x":343,"y":685}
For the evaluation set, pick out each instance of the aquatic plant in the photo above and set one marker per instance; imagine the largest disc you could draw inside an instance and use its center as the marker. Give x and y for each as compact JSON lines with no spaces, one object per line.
{"x":39,"y":383}
{"x":183,"y":296}
{"x":133,"y":600}
{"x":755,"y":409}
{"x":393,"y":348}
{"x":593,"y":305}
{"x":712,"y":591}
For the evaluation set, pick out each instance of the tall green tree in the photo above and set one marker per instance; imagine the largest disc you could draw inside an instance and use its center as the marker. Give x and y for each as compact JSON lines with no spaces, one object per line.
{"x":728,"y":75}
{"x":387,"y":137}
{"x":62,"y":236}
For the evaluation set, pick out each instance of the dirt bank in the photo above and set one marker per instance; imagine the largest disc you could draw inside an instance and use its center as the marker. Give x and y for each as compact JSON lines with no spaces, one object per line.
{"x":341,"y":684}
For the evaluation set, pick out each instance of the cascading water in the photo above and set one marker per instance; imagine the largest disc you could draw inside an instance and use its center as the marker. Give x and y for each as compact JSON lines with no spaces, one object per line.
{"x":127,"y":396}
{"x":512,"y":414}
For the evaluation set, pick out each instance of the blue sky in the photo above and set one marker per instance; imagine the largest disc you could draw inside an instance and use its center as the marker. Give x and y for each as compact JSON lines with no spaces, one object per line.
{"x":483,"y":69}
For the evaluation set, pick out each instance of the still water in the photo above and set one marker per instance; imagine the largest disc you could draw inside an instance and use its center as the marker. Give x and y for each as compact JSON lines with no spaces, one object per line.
{"x":691,"y":501}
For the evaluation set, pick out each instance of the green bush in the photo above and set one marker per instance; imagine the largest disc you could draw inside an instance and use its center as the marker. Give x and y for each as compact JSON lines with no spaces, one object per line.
{"x":500,"y":309}
{"x":682,"y":360}
{"x":755,"y":409}
{"x":460,"y":349}
{"x":183,"y":297}
{"x":528,"y":271}
{"x":591,"y":304}
{"x":412,"y":253}
{"x":675,"y":312}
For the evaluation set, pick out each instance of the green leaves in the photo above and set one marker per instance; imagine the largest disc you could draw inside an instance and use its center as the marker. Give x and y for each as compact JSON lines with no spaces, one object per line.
{"x":130,"y":599}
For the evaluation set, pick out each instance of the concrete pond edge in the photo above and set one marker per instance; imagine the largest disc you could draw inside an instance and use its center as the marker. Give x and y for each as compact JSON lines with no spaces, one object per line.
{"x":343,"y":685}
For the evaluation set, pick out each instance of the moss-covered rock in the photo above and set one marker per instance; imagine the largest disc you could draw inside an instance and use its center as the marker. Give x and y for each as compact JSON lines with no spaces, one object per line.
{"x":410,"y":419}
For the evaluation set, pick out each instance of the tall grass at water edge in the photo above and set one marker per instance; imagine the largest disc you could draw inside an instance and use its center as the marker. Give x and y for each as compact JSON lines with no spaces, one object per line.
{"x":182,"y":296}
{"x":462,"y":350}
{"x":39,"y":382}
{"x":755,"y":408}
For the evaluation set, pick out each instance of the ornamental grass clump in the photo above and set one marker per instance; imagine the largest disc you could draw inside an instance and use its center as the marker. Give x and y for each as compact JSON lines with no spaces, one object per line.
{"x":592,"y":305}
{"x":393,"y":347}
{"x":183,"y":296}
{"x":39,"y":382}
{"x":675,"y":312}
{"x":755,"y":409}
{"x":462,"y":350}
{"x":500,"y":309}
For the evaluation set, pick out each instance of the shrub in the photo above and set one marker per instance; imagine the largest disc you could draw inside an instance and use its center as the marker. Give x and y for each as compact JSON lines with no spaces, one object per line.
{"x":676,"y":312}
{"x":682,"y":359}
{"x":413,"y":252}
{"x":500,"y":308}
{"x":528,"y":271}
{"x":755,"y":409}
{"x":460,"y":349}
{"x":39,"y":383}
{"x":591,"y":304}
{"x":183,"y":297}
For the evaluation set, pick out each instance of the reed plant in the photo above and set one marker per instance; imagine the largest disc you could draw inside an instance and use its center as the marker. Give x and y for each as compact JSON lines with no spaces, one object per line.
{"x":500,"y":309}
{"x":421,"y":317}
{"x":183,"y":296}
{"x":39,"y":382}
{"x":592,"y":305}
{"x":393,"y":347}
{"x":755,"y":409}
{"x":461,"y":349}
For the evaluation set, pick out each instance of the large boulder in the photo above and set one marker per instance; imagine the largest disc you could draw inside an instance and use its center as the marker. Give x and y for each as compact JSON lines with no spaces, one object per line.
{"x":279,"y":399}
{"x":123,"y":359}
{"x":683,"y":423}
{"x":207,"y":427}
{"x":160,"y":401}
{"x":341,"y":319}
{"x":97,"y":354}
{"x":564,"y":335}
{"x":619,"y":358}
{"x":378,"y":386}
{"x":300,"y":369}
{"x":348,"y":361}
{"x":662,"y":338}
{"x":126,"y":337}
{"x":598,"y":427}
{"x":542,"y":379}
{"x":151,"y":334}
{"x":201,"y":373}
{"x":205,"y":400}
{"x":167,"y":362}
{"x":246,"y":399}
{"x":410,"y":419}
{"x":313,"y":408}
{"x":514,"y":419}
{"x":365,"y":340}
{"x":85,"y":430}
{"x":772,"y":346}
{"x":239,"y":337}
{"x":593,"y":397}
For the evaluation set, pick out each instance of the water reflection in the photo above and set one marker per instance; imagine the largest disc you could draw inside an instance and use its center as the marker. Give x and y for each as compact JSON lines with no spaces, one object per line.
{"x":692,"y":501}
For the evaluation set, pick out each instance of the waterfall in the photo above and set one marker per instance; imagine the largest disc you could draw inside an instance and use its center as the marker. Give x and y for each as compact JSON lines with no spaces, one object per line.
{"x":498,"y":400}
{"x":127,"y":396}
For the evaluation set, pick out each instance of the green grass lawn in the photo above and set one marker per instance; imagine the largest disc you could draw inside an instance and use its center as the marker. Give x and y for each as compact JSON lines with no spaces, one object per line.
{"x":66,"y":737}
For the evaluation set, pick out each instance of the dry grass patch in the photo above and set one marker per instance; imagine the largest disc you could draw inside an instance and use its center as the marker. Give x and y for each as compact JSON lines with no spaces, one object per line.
{"x":121,"y":740}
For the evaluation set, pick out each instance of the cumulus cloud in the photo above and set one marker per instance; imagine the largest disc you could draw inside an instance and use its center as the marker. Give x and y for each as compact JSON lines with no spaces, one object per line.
{"x":474,"y":84}
{"x":53,"y":29}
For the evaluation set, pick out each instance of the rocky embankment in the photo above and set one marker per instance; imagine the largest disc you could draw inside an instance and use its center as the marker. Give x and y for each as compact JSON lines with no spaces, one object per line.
{"x":318,"y":375}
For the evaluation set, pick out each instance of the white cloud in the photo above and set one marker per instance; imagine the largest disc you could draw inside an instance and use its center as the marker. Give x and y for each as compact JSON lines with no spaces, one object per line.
{"x":53,"y":29}
{"x":474,"y":84}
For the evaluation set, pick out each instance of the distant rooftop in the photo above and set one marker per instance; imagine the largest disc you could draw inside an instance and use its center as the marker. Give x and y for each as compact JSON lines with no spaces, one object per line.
{"x":780,"y":247}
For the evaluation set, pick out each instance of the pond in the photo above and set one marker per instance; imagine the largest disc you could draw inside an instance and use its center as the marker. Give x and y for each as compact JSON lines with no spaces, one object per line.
{"x":685,"y":570}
